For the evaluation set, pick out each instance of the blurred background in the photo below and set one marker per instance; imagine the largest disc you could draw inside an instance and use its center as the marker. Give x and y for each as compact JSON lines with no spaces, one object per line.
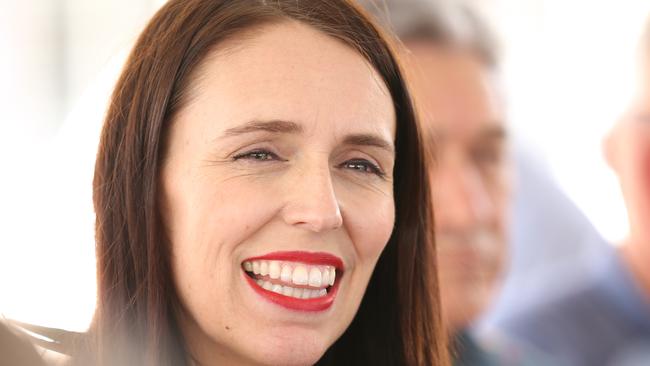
{"x":567,"y":69}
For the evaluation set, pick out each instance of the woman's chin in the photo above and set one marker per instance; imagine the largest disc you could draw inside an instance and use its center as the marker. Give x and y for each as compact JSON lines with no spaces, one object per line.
{"x":290,"y":351}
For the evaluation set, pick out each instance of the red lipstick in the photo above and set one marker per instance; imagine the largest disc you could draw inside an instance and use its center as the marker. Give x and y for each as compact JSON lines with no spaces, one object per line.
{"x":315,"y":258}
{"x":315,"y":304}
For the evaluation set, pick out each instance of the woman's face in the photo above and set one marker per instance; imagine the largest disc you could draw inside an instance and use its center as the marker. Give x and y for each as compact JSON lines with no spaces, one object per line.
{"x":277,"y":195}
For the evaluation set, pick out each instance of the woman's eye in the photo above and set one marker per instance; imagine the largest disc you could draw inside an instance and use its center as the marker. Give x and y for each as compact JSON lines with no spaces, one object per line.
{"x":363,"y":166}
{"x":260,"y":155}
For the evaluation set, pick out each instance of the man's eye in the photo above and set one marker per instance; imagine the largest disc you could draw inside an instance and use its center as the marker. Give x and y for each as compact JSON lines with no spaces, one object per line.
{"x":492,"y":156}
{"x":363,"y":166}
{"x":260,"y":155}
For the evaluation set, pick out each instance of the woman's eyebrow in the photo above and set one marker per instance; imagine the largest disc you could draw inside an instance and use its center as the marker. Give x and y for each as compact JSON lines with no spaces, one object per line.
{"x":275,"y":126}
{"x":363,"y":139}
{"x":281,"y":126}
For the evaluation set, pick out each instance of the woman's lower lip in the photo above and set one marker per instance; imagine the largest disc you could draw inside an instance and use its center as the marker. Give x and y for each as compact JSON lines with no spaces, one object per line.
{"x":315,"y":304}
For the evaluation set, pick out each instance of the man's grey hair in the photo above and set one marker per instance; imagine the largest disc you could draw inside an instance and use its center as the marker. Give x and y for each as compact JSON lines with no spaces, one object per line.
{"x":442,"y":22}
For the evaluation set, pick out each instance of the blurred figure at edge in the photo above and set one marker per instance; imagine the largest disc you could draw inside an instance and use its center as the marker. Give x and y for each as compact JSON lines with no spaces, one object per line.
{"x":451,"y":59}
{"x":605,"y":320}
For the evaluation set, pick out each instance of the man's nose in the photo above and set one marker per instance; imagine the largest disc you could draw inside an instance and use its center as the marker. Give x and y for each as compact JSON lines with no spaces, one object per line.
{"x":460,"y":194}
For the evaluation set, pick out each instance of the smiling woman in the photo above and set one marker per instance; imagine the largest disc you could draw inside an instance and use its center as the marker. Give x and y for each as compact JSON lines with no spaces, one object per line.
{"x":254,"y":185}
{"x":261,"y":197}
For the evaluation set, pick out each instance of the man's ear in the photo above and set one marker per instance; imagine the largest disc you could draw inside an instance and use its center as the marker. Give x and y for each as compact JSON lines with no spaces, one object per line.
{"x":608,"y":149}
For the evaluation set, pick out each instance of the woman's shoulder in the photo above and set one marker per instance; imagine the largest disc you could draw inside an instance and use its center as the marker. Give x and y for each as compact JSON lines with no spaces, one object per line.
{"x":37,"y":345}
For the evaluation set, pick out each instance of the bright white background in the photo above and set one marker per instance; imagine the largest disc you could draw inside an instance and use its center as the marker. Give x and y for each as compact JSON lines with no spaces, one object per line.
{"x":568,"y":71}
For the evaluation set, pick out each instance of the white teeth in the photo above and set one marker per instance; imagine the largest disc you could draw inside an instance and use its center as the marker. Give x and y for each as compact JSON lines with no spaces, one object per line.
{"x":300,"y":276}
{"x":285,"y":276}
{"x":315,"y":277}
{"x":287,"y":290}
{"x":298,"y":293}
{"x":326,"y":276}
{"x":274,"y":270}
{"x":264,"y":268}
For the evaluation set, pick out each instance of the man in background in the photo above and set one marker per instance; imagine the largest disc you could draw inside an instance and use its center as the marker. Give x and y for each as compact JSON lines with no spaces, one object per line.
{"x":605,"y":319}
{"x":451,"y":63}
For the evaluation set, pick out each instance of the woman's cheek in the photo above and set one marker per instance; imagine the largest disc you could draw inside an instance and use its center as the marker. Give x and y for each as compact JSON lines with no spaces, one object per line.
{"x":371,"y":223}
{"x":237,"y":201}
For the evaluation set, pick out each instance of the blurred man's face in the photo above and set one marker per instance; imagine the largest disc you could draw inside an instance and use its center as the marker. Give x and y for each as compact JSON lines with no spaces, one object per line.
{"x":628,"y":152}
{"x":631,"y":160}
{"x":463,"y":119}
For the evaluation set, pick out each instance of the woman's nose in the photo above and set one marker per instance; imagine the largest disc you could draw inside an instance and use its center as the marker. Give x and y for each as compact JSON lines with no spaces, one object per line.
{"x":311,"y":200}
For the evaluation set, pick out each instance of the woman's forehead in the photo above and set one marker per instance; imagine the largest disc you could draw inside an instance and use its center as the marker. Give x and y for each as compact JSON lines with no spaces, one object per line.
{"x":291,"y":71}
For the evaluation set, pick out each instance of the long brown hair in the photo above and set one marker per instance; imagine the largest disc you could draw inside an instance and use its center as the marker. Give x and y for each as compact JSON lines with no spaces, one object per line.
{"x":398,"y":322}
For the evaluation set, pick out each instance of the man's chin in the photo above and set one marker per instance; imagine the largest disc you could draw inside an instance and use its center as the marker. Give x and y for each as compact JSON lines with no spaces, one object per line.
{"x":465,"y":306}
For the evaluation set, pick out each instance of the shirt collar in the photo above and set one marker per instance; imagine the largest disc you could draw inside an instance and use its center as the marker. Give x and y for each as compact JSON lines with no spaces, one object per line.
{"x":624,"y":292}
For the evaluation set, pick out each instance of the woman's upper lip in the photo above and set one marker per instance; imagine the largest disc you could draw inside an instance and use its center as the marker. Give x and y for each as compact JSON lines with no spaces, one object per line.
{"x":315,"y":258}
